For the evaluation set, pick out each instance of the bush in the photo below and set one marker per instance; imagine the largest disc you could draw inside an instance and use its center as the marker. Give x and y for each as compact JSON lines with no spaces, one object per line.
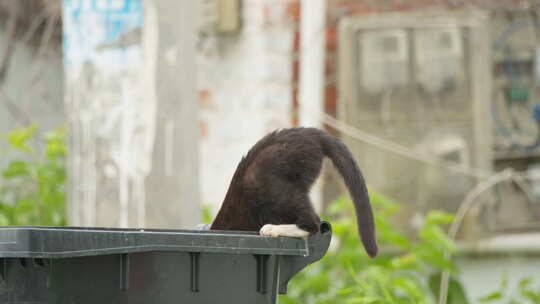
{"x":409,"y":271}
{"x":33,"y":188}
{"x":527,"y":293}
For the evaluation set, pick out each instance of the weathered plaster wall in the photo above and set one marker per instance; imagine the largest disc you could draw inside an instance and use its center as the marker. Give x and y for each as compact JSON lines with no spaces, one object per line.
{"x":130,"y":96}
{"x":32,"y":90}
{"x":245,"y":89}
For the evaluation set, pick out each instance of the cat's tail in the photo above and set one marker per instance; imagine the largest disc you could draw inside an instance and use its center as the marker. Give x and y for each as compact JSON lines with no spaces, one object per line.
{"x":343,"y":160}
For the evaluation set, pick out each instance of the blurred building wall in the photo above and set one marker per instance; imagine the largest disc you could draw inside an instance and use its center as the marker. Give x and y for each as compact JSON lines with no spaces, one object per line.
{"x":514,"y":257}
{"x":484,"y":274}
{"x":246,"y":83}
{"x":31,"y":74}
{"x":131,"y":107}
{"x":338,"y":9}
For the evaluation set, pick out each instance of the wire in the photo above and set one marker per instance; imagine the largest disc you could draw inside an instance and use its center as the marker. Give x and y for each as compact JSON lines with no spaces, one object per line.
{"x":467,"y":203}
{"x":403,"y":150}
{"x":515,"y":26}
{"x":518,"y":177}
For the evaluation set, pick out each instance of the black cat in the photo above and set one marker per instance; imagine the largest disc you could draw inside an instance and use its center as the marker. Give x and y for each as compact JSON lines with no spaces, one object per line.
{"x":269,"y":190}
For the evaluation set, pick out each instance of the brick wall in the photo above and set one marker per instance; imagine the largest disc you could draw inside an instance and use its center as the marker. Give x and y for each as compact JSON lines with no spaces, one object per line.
{"x":248,"y":82}
{"x":337,"y":9}
{"x":340,"y":8}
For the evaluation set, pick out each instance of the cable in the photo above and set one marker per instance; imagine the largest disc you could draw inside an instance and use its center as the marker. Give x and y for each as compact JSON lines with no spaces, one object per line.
{"x":403,"y":150}
{"x":467,"y":203}
{"x":518,"y":177}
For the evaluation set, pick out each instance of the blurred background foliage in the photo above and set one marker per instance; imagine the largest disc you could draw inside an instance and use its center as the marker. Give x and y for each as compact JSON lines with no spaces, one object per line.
{"x":408,"y":270}
{"x":33,"y":184}
{"x":402,"y":273}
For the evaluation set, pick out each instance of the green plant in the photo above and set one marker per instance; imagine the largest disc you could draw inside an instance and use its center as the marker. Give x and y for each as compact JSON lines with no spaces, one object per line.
{"x":33,"y":186}
{"x":206,"y":215}
{"x":407,"y":272}
{"x":527,"y":293}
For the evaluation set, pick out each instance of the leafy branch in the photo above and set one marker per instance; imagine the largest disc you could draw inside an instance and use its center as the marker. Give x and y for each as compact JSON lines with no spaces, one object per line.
{"x":33,"y":188}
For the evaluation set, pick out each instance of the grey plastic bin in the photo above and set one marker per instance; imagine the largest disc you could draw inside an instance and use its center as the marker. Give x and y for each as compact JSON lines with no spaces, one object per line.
{"x":101,"y":265}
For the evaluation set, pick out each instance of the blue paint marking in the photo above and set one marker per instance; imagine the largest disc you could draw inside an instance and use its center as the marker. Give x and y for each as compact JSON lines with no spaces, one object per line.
{"x":89,"y":23}
{"x":111,"y":6}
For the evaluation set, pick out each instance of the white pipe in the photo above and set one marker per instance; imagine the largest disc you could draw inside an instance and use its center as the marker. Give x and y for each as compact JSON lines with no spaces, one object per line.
{"x":311,"y":86}
{"x":312,"y":52}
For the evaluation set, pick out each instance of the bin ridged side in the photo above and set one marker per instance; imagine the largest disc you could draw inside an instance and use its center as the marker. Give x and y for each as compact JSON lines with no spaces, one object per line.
{"x":101,"y":265}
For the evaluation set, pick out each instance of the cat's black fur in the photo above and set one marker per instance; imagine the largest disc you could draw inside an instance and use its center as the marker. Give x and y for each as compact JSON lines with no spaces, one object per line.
{"x":272,"y":183}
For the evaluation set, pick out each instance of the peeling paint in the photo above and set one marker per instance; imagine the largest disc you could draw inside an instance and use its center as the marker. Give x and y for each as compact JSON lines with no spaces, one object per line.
{"x":111,"y":108}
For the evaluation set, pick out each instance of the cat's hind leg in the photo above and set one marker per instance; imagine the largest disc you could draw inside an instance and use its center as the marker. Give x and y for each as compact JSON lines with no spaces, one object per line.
{"x":292,"y":216}
{"x":307,"y":223}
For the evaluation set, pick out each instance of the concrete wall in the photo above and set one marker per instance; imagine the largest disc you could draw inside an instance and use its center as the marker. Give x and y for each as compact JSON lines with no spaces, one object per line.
{"x":32,"y":91}
{"x":131,"y":105}
{"x":484,"y":275}
{"x":484,"y":265}
{"x":245,"y":89}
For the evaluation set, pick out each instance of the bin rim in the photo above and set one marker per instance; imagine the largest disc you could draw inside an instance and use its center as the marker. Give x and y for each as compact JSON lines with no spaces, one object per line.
{"x":65,"y":242}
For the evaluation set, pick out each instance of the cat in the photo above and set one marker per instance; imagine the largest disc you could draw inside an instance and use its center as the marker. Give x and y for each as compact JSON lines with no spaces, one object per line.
{"x":269,"y":191}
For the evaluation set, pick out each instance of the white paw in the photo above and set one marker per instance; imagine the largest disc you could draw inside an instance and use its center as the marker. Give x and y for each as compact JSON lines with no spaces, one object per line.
{"x":269,"y":230}
{"x":283,"y":230}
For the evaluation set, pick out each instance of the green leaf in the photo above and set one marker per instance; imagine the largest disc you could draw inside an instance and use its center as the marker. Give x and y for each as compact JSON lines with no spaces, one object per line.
{"x":15,"y":168}
{"x":25,"y":205}
{"x":207,"y":214}
{"x":496,"y":295}
{"x":456,"y":292}
{"x":363,"y":300}
{"x":433,"y":257}
{"x":525,"y":283}
{"x":437,"y":217}
{"x":436,"y":237}
{"x":53,"y":150}
{"x":18,"y":138}
{"x":410,"y":286}
{"x":55,"y":143}
{"x":4,"y":220}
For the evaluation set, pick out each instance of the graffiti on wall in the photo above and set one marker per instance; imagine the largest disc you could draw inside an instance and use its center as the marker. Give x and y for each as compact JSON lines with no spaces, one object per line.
{"x":111,"y":109}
